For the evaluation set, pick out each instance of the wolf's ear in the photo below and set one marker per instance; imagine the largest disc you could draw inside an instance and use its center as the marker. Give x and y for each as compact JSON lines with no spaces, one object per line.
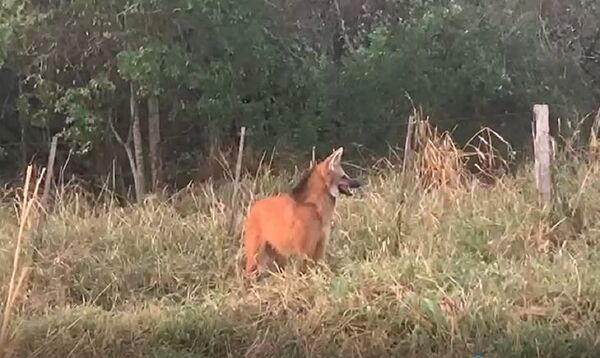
{"x":335,"y":159}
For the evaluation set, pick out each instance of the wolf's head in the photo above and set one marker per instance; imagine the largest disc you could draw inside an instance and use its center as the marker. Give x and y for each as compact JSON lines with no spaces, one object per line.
{"x":336,"y":178}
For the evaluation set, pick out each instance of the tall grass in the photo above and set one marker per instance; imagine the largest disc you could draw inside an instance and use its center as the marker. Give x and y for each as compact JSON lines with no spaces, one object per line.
{"x":15,"y":285}
{"x":478,"y":269}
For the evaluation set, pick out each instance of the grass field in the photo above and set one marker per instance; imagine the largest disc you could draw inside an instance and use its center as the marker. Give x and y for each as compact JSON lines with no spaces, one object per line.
{"x":409,"y":273}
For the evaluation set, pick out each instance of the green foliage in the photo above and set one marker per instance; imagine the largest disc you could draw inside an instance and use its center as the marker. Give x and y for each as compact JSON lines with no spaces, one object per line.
{"x":460,"y":60}
{"x":143,"y":66}
{"x":218,"y":65}
{"x":12,"y":19}
{"x":82,"y":122}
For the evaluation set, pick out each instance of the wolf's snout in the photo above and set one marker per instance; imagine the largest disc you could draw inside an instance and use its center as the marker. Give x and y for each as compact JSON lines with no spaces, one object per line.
{"x":346,"y":184}
{"x":354,"y":183}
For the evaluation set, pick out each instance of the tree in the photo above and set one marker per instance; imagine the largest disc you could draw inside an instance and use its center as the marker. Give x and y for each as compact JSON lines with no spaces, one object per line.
{"x":182,"y":76}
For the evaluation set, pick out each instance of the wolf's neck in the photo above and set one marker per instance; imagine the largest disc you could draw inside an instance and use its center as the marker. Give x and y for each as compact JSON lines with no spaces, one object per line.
{"x":319,"y":196}
{"x":313,"y":189}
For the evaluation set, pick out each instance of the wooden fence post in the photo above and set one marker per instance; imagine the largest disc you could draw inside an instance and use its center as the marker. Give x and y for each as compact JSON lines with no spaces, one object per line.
{"x":543,"y":153}
{"x":37,"y":235}
{"x":593,"y":141}
{"x":408,"y":147}
{"x":49,"y":172}
{"x":238,"y":170}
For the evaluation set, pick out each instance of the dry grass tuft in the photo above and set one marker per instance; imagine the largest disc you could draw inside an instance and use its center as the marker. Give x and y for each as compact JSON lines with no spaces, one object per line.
{"x":440,"y":164}
{"x":15,"y":285}
{"x":487,"y":160}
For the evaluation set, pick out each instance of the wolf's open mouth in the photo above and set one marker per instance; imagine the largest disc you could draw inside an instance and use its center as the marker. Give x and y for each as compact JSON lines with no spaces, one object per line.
{"x":347,"y":184}
{"x":345,"y":189}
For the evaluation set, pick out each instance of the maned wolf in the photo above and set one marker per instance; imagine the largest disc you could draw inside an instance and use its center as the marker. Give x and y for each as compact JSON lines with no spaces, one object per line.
{"x":297,"y":223}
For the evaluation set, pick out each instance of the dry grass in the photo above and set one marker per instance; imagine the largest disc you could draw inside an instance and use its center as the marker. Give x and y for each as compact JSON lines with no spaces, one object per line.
{"x":440,"y":164}
{"x":409,"y":273}
{"x":15,"y":285}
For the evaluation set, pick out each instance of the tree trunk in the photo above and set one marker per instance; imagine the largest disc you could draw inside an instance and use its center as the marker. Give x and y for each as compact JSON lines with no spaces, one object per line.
{"x":23,"y":123}
{"x":137,"y":145}
{"x":137,"y":179}
{"x":154,"y":141}
{"x":23,"y":142}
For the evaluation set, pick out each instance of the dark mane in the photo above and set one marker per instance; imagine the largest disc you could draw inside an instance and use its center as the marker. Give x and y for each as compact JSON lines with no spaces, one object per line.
{"x":298,"y":192}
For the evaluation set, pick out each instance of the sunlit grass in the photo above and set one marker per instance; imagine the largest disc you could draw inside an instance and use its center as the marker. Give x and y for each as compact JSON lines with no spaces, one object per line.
{"x":432,"y":263}
{"x":409,"y":272}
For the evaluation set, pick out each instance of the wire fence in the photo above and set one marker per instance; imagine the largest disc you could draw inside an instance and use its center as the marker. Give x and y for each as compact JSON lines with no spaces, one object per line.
{"x":484,"y":118}
{"x":66,"y":148}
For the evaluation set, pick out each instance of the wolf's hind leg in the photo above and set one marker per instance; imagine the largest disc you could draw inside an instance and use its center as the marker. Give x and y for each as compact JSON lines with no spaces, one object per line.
{"x":252,"y":248}
{"x":276,"y":259}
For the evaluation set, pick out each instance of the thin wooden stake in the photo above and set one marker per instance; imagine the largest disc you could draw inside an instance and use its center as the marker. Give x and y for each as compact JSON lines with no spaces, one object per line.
{"x":543,"y":155}
{"x":238,"y":171}
{"x":49,"y":172}
{"x":408,"y":148}
{"x":593,"y":142}
{"x":37,"y":236}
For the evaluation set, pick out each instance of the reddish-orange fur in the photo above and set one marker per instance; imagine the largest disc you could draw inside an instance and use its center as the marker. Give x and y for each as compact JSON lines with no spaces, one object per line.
{"x":296,"y":223}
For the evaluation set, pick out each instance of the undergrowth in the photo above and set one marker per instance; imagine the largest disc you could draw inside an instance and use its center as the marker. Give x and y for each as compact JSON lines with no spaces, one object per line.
{"x":412,"y":270}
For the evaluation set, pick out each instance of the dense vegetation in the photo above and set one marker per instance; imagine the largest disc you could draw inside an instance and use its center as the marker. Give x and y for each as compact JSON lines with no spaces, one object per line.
{"x":424,"y":261}
{"x":184,"y":75}
{"x":445,"y":273}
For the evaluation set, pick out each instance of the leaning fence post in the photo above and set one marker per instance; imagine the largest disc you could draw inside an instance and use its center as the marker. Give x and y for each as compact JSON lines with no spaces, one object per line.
{"x":238,"y":169}
{"x":37,"y":236}
{"x":593,"y":142}
{"x":49,"y":172}
{"x":408,"y":148}
{"x":543,"y":155}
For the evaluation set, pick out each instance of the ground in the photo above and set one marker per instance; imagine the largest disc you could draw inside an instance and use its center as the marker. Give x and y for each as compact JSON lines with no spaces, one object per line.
{"x":414,"y":273}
